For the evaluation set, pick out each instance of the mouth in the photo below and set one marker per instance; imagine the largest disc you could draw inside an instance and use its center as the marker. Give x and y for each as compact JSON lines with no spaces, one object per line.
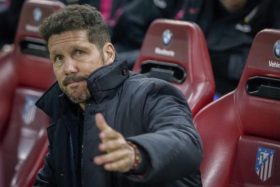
{"x":74,"y":84}
{"x":73,"y":81}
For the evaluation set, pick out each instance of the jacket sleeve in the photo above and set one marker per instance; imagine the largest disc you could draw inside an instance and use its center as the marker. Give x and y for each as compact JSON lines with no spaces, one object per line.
{"x":172,"y":143}
{"x":45,"y":175}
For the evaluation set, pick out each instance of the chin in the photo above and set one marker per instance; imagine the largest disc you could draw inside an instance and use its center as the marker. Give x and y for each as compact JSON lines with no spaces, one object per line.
{"x":79,"y":98}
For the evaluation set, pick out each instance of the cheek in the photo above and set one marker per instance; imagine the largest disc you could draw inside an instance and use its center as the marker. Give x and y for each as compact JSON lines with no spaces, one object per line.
{"x":58,"y":75}
{"x":91,"y":67}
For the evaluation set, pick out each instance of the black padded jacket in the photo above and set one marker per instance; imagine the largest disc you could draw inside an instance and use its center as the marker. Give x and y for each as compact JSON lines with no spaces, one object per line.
{"x":149,"y":112}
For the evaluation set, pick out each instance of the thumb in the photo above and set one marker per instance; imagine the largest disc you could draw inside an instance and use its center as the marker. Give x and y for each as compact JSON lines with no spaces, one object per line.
{"x":101,"y":122}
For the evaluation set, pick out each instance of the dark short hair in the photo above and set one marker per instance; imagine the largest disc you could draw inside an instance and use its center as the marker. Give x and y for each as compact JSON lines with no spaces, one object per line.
{"x":77,"y":17}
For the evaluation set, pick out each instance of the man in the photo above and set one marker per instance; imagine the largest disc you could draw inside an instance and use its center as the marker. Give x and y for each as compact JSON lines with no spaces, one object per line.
{"x":230,"y":27}
{"x":110,"y":127}
{"x":9,"y":17}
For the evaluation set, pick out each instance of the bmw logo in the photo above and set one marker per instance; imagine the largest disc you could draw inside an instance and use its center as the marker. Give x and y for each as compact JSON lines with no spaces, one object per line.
{"x":167,"y":37}
{"x":37,"y":15}
{"x":277,"y":49}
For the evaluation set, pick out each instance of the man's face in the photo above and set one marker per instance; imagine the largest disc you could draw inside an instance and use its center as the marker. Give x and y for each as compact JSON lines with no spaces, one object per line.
{"x":233,"y":5}
{"x":74,"y":58}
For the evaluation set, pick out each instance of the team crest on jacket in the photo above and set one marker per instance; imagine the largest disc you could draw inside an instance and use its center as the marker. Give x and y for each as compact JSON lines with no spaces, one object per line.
{"x":167,"y":37}
{"x":29,"y":110}
{"x":264,"y":163}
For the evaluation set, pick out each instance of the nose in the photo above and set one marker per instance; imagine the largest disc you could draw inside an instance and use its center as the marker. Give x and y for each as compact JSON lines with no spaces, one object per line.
{"x":70,"y":66}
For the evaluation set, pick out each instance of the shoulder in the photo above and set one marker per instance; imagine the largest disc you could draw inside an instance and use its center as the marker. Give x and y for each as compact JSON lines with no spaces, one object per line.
{"x":139,"y":81}
{"x":139,"y":84}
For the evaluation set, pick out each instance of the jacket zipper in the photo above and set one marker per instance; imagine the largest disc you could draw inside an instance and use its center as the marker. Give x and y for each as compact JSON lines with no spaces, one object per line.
{"x":72,"y":162}
{"x":82,"y":149}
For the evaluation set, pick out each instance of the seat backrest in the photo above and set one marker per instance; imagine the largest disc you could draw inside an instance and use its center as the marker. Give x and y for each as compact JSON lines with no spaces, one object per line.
{"x":25,"y":142}
{"x":241,"y":131}
{"x":177,"y":52}
{"x":8,"y":80}
{"x":31,"y":52}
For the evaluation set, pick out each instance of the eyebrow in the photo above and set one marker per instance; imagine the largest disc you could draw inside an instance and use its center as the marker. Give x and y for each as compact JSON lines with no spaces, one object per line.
{"x":54,"y":52}
{"x":79,"y":47}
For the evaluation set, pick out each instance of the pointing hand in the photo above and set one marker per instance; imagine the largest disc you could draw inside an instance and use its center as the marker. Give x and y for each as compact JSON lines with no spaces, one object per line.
{"x":118,"y":155}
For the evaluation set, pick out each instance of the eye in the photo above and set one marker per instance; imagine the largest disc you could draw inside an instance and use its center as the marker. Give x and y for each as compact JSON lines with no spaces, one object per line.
{"x":79,"y":52}
{"x":58,"y":60}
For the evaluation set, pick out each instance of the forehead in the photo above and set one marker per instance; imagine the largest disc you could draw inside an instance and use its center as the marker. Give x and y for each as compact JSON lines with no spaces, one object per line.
{"x":68,"y":38}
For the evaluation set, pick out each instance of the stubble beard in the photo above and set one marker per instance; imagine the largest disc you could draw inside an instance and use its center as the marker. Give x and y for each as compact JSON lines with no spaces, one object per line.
{"x":84,"y":94}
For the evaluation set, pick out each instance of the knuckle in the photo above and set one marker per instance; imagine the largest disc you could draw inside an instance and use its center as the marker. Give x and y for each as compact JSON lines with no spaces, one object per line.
{"x":108,"y":157}
{"x":121,"y":142}
{"x":110,"y":144}
{"x":112,"y":166}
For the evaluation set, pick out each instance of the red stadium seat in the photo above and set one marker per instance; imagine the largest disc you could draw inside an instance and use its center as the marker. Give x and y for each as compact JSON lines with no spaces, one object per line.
{"x":7,"y":86}
{"x":29,"y":73}
{"x":2,"y":175}
{"x":177,"y":52}
{"x":241,"y":130}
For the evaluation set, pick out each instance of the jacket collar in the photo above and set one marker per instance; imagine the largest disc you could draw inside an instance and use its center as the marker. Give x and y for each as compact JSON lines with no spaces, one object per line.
{"x":102,"y":84}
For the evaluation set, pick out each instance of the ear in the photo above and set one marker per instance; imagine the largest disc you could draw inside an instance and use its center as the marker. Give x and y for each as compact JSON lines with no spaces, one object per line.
{"x":109,"y":53}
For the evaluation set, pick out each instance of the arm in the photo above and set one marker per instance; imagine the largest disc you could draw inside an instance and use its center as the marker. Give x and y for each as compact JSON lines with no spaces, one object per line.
{"x":170,"y":148}
{"x":172,"y":145}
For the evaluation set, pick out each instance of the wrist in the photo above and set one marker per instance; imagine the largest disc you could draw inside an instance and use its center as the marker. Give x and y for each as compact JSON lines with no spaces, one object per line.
{"x":137,"y":156}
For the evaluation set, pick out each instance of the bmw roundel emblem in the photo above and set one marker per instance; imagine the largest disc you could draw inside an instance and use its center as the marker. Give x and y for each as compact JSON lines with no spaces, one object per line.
{"x":167,"y":37}
{"x":277,"y":49}
{"x":37,"y":15}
